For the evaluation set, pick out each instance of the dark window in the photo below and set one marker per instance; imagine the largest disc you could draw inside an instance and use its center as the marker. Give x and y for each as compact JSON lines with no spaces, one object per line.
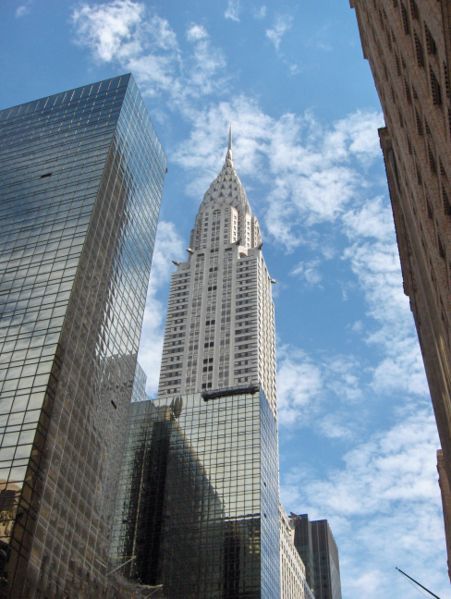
{"x":419,"y":122}
{"x":432,"y":163}
{"x":408,"y":94}
{"x":414,"y":10}
{"x":446,"y":79}
{"x":446,"y":202}
{"x":435,"y":88}
{"x":441,"y":249}
{"x":405,"y":19}
{"x":419,"y":51}
{"x":430,"y":42}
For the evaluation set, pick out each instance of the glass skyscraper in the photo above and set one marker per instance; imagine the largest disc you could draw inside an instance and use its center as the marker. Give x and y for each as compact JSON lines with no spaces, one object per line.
{"x":81,"y":176}
{"x":198,"y":506}
{"x":198,"y":503}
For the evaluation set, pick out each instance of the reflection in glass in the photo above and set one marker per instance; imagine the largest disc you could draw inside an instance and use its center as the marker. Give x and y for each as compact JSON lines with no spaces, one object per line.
{"x":82,"y":174}
{"x":198,"y":500}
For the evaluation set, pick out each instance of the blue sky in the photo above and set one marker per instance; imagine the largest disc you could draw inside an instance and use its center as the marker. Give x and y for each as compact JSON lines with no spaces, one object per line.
{"x":357,"y":436}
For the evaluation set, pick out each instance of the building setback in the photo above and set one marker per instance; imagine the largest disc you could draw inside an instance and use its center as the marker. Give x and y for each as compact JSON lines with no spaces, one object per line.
{"x":408,"y":46}
{"x":316,"y":545}
{"x":81,"y":181}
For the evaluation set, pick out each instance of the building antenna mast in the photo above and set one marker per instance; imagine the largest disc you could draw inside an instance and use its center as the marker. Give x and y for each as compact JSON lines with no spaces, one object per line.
{"x":416,"y":582}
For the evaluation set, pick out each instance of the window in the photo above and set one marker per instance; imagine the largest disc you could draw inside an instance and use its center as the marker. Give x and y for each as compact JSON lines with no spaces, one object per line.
{"x":419,"y":51}
{"x":432,"y":163}
{"x":441,"y":249}
{"x":419,"y":122}
{"x":405,"y":19}
{"x":430,"y":42}
{"x":414,"y":10}
{"x":435,"y":88}
{"x":446,"y":202}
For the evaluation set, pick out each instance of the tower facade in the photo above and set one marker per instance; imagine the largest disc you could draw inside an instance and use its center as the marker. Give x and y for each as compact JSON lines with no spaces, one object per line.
{"x":220,"y":322}
{"x":293,"y":581}
{"x":198,"y":502}
{"x":408,"y":46}
{"x":82,"y":174}
{"x":316,"y":545}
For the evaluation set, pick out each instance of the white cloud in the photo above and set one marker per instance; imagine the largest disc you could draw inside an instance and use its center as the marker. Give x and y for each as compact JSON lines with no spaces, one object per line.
{"x":355,"y":135}
{"x":23,"y":9}
{"x":109,"y":30}
{"x":232,"y":11}
{"x":168,"y":246}
{"x":133,"y":36}
{"x":280,"y":27}
{"x":373,"y":257}
{"x":195,"y":33}
{"x":299,"y":385}
{"x":373,"y":219}
{"x":386,"y":489}
{"x":307,"y":386}
{"x":384,"y":470}
{"x":260,"y":12}
{"x":207,"y":62}
{"x":308,"y":271}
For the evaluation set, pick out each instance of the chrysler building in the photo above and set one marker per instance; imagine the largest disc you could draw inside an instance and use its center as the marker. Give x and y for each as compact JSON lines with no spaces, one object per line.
{"x":199,"y":493}
{"x":220,"y":323}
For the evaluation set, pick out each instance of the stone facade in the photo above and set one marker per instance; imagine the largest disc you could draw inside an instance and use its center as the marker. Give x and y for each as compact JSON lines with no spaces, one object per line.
{"x":408,"y":46}
{"x":293,"y":584}
{"x":220,"y":324}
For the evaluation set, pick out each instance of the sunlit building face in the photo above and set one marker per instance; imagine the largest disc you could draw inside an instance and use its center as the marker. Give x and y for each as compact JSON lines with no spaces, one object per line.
{"x":82,"y":174}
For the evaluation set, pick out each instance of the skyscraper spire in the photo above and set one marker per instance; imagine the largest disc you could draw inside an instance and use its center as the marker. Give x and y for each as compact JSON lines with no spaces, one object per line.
{"x":229,"y":148}
{"x":227,"y":317}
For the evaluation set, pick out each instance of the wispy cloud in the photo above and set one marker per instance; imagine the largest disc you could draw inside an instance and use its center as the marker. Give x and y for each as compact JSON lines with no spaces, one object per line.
{"x":308,"y":271}
{"x":260,"y":12}
{"x":299,"y":385}
{"x":385,"y":489}
{"x":128,"y":33}
{"x":23,"y":9}
{"x":282,"y":24}
{"x":111,"y":30}
{"x":308,"y":385}
{"x":373,"y":257}
{"x":232,"y":11}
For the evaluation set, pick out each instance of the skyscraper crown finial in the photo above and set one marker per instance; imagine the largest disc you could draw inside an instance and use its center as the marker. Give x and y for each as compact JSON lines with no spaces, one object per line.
{"x":228,"y":160}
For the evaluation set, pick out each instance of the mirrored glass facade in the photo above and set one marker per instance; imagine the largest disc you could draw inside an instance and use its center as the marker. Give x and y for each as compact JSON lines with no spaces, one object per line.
{"x":81,"y":177}
{"x":199,"y":496}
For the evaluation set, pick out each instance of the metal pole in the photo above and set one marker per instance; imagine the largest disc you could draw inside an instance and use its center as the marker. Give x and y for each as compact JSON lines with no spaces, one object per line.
{"x":123,"y":564}
{"x":416,"y":582}
{"x":158,"y":587}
